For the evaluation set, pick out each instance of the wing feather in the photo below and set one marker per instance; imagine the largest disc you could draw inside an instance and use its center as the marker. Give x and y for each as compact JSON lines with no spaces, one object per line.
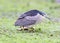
{"x":25,"y":22}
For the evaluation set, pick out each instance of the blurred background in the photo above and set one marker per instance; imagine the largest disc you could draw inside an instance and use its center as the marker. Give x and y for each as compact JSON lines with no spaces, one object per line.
{"x":10,"y":10}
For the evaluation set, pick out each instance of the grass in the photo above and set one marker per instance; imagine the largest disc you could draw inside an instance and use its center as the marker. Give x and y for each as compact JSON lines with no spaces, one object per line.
{"x":11,"y":9}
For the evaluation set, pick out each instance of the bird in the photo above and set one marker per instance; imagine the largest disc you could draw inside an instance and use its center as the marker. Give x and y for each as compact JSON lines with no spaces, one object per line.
{"x":30,"y":18}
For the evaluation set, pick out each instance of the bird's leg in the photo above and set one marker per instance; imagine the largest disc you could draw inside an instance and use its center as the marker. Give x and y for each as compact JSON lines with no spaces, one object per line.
{"x":21,"y":28}
{"x":25,"y":28}
{"x":29,"y":28}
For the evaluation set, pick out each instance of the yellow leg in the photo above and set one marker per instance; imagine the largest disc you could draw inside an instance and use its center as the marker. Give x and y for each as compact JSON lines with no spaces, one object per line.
{"x":21,"y":28}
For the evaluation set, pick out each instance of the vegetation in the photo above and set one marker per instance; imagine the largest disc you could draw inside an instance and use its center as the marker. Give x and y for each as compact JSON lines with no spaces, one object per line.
{"x":45,"y":32}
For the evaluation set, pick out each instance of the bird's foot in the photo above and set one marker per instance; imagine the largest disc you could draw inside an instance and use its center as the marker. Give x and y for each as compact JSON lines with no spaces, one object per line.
{"x":26,"y":29}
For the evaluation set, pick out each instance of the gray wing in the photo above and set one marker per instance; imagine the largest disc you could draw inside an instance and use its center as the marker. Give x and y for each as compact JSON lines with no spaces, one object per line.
{"x":25,"y":14}
{"x":24,"y":22}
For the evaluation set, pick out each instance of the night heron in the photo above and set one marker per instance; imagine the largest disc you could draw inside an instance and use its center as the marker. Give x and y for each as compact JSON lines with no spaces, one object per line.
{"x":30,"y":18}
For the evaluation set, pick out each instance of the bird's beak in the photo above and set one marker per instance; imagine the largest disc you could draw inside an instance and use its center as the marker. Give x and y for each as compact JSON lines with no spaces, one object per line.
{"x":46,"y":16}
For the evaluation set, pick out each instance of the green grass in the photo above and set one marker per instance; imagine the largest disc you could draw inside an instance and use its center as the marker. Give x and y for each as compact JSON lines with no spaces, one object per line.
{"x":11,"y":9}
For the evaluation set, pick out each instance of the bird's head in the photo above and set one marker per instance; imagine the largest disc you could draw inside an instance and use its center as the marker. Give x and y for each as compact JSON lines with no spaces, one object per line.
{"x":43,"y":14}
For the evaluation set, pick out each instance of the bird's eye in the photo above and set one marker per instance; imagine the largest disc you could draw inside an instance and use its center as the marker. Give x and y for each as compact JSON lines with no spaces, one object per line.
{"x":20,"y":18}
